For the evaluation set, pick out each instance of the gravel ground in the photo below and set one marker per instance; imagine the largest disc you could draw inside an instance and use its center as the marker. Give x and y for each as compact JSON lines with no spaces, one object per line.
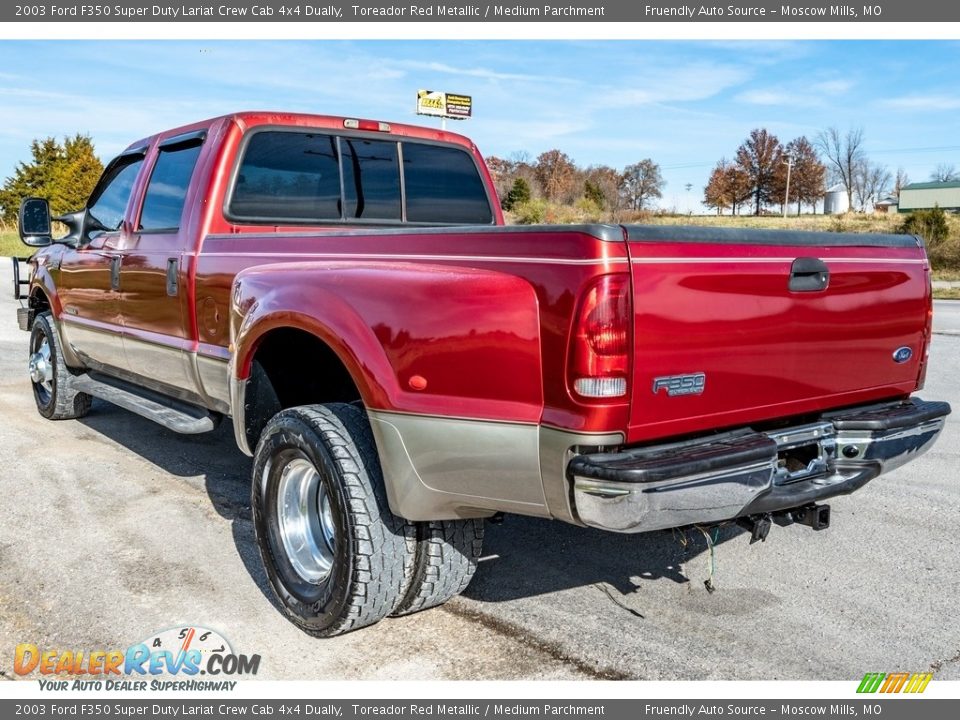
{"x":112,"y":528}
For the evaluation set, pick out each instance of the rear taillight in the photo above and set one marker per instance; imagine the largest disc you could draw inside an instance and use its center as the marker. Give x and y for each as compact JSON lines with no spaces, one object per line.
{"x":600,"y":347}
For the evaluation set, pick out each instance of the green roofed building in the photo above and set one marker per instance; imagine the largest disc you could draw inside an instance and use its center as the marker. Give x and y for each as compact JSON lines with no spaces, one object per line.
{"x":924,"y":196}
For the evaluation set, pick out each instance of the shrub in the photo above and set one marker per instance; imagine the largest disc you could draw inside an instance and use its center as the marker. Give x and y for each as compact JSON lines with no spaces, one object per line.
{"x":532,"y":212}
{"x":518,"y":195}
{"x":931,"y":225}
{"x":943,"y":244}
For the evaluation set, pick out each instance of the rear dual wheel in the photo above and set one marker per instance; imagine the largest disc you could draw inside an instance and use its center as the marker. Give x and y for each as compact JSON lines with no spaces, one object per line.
{"x":337,"y":558}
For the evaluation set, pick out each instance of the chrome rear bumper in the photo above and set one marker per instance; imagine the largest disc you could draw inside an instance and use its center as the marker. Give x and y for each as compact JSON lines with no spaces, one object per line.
{"x":746,"y":472}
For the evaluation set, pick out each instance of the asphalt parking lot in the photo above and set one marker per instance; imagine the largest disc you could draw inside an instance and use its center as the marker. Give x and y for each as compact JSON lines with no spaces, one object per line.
{"x":112,"y":528}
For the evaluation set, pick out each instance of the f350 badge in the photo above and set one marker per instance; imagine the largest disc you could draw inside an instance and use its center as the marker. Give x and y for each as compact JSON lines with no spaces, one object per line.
{"x":692,"y":384}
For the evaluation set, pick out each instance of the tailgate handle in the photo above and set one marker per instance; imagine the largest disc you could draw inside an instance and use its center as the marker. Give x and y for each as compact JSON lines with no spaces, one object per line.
{"x":808,"y":274}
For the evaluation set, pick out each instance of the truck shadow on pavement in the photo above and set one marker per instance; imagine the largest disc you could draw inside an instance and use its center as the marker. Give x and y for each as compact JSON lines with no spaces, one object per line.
{"x":212,"y":458}
{"x":565,"y":556}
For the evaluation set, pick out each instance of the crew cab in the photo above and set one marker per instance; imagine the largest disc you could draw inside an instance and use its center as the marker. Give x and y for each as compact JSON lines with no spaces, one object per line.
{"x":401,"y":365}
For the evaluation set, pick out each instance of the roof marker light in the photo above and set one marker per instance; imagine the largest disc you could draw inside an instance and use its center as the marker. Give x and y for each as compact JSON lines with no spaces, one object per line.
{"x":353,"y":124}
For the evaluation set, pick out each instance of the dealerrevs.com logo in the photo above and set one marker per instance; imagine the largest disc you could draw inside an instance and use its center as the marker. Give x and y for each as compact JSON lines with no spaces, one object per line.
{"x":172,"y":659}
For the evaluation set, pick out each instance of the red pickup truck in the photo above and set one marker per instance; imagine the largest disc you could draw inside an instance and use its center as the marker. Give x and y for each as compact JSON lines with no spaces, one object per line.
{"x":401,"y":365}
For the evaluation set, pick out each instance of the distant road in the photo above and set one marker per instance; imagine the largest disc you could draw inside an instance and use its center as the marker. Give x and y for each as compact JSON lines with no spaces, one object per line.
{"x":946,"y":317}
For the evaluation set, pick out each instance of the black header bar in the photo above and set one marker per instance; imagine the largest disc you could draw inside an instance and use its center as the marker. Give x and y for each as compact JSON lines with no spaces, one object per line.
{"x":589,"y":11}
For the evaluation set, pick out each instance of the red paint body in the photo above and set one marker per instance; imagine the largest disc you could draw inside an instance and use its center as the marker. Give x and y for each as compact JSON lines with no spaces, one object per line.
{"x":477,"y":323}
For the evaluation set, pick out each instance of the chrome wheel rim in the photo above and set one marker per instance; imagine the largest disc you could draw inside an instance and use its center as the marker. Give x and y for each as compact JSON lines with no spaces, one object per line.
{"x":305,"y":520}
{"x":40,"y":368}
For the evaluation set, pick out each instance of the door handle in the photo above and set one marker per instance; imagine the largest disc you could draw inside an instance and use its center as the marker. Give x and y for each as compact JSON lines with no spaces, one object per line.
{"x":808,"y":274}
{"x":173,"y":275}
{"x":115,"y":272}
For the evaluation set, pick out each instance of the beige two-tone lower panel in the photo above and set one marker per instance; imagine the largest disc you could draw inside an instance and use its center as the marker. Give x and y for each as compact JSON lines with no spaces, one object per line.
{"x":440,"y":468}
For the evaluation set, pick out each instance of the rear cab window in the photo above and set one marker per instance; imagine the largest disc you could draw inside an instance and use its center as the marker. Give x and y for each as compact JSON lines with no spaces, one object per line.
{"x":169,"y":181}
{"x":295,"y":176}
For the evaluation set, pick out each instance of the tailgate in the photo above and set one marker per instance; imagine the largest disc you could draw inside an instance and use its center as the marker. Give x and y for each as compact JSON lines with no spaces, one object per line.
{"x":721,"y":339}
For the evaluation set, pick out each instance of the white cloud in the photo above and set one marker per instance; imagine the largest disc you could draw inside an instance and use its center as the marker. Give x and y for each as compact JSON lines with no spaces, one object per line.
{"x":931,"y":103}
{"x":833,"y":87}
{"x":797,"y":93}
{"x":766,"y":97}
{"x":687,"y":83}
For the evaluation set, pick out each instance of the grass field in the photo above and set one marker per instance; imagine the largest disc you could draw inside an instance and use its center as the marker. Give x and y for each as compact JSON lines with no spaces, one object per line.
{"x":10,"y":245}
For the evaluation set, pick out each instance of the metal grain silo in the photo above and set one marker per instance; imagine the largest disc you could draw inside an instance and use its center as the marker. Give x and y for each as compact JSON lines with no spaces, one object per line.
{"x":835,"y":201}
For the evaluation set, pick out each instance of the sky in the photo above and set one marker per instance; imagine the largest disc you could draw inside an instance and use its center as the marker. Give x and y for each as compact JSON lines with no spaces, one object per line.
{"x":685,"y":104}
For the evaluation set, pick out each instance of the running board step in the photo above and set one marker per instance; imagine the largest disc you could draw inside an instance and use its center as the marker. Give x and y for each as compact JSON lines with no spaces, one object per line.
{"x":172,"y":415}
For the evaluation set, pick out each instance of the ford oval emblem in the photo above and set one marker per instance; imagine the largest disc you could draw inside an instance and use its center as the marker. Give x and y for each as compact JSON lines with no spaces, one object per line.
{"x":901,"y":355}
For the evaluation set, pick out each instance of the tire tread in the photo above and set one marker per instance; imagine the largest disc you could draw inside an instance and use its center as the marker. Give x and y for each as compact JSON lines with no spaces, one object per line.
{"x":68,"y":404}
{"x":447,"y":552}
{"x":380,"y":539}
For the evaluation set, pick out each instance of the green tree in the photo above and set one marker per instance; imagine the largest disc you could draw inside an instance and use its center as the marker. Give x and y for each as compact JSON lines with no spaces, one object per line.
{"x":593,"y":193}
{"x":63,"y":173}
{"x":519,"y":194}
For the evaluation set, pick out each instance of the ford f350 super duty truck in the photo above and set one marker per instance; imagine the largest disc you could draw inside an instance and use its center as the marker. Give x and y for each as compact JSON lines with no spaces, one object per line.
{"x":400,"y":365}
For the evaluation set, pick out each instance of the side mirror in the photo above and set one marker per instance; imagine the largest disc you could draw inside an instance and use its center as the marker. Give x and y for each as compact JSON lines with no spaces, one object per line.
{"x":33,"y":222}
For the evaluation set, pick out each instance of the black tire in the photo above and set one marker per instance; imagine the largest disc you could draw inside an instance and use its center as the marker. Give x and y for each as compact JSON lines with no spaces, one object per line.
{"x":56,"y":399}
{"x":446,"y":558}
{"x":369,"y":558}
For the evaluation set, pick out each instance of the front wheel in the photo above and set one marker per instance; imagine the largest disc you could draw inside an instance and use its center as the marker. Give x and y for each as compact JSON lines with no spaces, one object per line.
{"x":52,"y":380}
{"x":335,"y":555}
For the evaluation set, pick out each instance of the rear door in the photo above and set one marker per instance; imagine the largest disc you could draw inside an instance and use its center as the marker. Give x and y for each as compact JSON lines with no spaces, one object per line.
{"x":735,"y":327}
{"x":153,"y":272}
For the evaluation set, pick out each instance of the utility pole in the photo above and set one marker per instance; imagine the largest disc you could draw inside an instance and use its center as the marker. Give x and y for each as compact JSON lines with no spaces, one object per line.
{"x":786,"y":196}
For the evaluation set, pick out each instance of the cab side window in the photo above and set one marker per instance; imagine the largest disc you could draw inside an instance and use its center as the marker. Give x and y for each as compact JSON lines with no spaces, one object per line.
{"x":371,"y":179}
{"x":302,"y":177}
{"x":288,"y":176}
{"x":167,"y":190}
{"x":108,"y":202}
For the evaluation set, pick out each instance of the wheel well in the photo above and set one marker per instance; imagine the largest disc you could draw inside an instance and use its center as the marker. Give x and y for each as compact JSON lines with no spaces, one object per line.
{"x":292,"y":367}
{"x":38,"y":302}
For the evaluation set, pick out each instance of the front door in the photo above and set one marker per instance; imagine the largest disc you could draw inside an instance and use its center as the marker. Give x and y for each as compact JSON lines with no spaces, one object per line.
{"x":88,"y":285}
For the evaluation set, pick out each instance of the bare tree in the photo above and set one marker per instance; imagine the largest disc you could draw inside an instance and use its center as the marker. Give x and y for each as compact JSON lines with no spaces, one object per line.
{"x":642,"y":181}
{"x":870,"y":182}
{"x":844,"y":153}
{"x":945,"y":173}
{"x":900,"y":182}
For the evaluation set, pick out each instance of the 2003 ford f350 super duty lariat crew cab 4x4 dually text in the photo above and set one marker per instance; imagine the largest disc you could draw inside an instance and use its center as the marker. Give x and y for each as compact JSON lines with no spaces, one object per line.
{"x":401,"y":365}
